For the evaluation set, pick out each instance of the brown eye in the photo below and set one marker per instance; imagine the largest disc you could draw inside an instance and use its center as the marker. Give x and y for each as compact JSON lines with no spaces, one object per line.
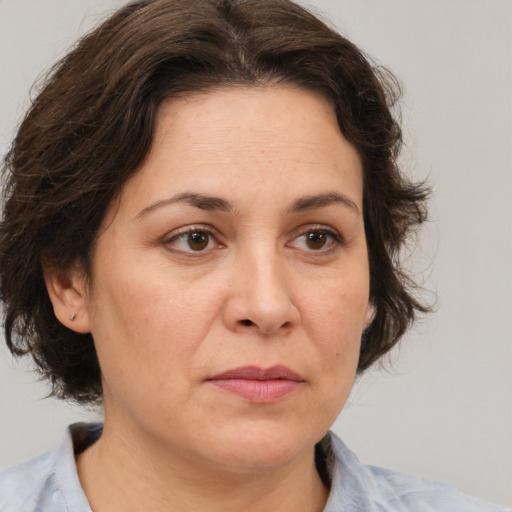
{"x":198,"y":240}
{"x":315,"y":240}
{"x":193,"y":240}
{"x":320,"y":240}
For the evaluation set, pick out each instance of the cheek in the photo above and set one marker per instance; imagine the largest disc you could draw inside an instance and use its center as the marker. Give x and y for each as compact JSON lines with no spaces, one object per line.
{"x":334,"y":320}
{"x":149,"y":325}
{"x":338,"y":310}
{"x":333,"y":324}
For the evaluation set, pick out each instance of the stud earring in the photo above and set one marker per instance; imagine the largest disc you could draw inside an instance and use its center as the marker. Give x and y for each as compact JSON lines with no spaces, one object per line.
{"x":72,"y":317}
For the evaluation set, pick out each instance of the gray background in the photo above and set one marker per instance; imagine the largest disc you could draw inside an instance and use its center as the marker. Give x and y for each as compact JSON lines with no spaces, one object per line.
{"x":443,"y":408}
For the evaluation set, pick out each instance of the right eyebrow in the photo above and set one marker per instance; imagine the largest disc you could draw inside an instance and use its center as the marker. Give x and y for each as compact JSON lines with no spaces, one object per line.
{"x":201,"y":201}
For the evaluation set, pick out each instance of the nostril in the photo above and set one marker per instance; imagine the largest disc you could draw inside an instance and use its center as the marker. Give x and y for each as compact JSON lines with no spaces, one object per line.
{"x":246,"y":322}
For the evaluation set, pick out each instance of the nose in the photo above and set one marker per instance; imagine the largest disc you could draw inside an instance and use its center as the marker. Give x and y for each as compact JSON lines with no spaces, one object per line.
{"x":260,"y":299}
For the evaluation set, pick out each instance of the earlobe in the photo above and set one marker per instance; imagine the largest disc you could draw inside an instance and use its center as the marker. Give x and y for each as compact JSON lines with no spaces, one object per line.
{"x":67,"y":291}
{"x":370,"y":315}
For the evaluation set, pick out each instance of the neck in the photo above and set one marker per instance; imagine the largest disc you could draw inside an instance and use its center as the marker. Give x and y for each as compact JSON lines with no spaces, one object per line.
{"x":120,"y":475}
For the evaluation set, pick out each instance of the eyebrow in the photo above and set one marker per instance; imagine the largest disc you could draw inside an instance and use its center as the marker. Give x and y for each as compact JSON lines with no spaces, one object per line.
{"x":203,"y":202}
{"x":321,"y":200}
{"x":212,"y":203}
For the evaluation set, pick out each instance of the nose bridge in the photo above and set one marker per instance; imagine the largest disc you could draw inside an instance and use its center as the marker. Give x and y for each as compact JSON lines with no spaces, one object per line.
{"x":266,"y":276}
{"x":261,"y":296}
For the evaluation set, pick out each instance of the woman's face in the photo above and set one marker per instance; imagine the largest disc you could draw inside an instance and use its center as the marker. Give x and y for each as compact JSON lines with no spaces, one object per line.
{"x":230,"y":282}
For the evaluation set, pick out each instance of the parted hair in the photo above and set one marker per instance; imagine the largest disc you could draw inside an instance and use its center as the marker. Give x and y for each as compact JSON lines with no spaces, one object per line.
{"x":91,"y":125}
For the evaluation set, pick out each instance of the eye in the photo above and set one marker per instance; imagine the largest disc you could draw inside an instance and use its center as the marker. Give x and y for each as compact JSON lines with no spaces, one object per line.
{"x":191,"y":240}
{"x":317,"y":240}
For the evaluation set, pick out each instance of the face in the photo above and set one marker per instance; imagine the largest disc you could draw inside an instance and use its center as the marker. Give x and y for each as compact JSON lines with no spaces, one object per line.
{"x":230,"y":282}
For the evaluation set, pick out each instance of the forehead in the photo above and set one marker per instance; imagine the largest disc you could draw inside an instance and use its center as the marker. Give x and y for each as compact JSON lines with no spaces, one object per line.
{"x":274,"y":115}
{"x":217,"y":140}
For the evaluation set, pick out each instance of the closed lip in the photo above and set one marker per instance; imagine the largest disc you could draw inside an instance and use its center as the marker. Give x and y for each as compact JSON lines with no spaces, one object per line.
{"x":258,"y":385}
{"x":278,"y":372}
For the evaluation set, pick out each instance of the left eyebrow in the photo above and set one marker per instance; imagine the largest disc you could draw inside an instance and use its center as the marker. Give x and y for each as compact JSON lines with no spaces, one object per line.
{"x":322,"y":200}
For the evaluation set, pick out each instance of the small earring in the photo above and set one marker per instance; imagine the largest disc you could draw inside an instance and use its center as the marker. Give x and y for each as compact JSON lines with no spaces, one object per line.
{"x":72,"y":317}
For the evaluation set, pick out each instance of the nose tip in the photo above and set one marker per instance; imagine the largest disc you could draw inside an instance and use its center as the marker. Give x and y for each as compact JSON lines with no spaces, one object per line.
{"x":261,"y":301}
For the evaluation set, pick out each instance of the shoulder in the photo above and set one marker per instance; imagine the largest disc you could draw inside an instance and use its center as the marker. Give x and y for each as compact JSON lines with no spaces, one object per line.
{"x":31,"y":486}
{"x":373,"y":489}
{"x":50,"y":482}
{"x":406,"y":492}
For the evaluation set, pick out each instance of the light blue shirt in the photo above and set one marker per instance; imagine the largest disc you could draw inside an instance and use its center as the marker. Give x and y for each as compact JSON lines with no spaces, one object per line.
{"x":50,"y":483}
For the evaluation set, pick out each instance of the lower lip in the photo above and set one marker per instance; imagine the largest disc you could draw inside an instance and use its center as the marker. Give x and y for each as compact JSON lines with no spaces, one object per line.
{"x":258,"y":391}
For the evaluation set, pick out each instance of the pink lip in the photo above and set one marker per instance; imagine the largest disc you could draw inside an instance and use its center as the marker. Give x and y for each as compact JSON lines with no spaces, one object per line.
{"x":258,"y":385}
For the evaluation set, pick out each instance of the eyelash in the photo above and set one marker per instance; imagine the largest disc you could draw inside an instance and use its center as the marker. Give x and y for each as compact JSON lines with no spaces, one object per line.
{"x":185,"y":233}
{"x":336,"y":240}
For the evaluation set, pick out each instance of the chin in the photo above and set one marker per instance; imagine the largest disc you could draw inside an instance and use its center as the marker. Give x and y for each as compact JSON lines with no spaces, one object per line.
{"x":255,"y":450}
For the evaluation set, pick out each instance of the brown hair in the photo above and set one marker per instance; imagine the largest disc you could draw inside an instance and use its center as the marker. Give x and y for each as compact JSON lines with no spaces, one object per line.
{"x":92,"y":124}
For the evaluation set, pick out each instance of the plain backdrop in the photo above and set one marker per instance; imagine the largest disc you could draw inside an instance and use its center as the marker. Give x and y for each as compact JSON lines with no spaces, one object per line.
{"x":443,"y":407}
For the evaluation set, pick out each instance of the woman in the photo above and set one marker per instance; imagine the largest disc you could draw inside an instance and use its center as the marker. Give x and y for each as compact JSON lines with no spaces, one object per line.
{"x":201,"y":228}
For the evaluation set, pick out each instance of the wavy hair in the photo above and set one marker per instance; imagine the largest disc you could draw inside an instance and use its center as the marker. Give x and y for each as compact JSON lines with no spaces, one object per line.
{"x":92,"y":124}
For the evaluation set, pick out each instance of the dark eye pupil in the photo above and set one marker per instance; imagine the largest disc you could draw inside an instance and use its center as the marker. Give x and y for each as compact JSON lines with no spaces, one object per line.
{"x":316,"y":240}
{"x":198,"y":240}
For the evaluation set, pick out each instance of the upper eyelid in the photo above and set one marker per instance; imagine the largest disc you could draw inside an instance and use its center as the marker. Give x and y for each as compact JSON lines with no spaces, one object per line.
{"x":189,"y":229}
{"x":216,"y":234}
{"x":337,"y":240}
{"x":211,"y":229}
{"x":301,"y":230}
{"x":170,"y":240}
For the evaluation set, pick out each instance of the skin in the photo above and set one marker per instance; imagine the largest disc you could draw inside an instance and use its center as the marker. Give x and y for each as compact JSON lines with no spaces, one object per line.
{"x":261,"y":283}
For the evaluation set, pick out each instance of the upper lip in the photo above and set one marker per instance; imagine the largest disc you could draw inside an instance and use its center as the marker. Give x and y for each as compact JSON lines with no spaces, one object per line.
{"x":256,"y":373}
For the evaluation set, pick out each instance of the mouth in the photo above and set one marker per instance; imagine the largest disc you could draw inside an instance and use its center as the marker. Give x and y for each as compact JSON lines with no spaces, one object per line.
{"x":258,"y":385}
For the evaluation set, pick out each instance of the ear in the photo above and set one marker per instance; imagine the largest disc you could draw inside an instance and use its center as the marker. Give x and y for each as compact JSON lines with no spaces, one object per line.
{"x":67,"y":290}
{"x":370,"y":315}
